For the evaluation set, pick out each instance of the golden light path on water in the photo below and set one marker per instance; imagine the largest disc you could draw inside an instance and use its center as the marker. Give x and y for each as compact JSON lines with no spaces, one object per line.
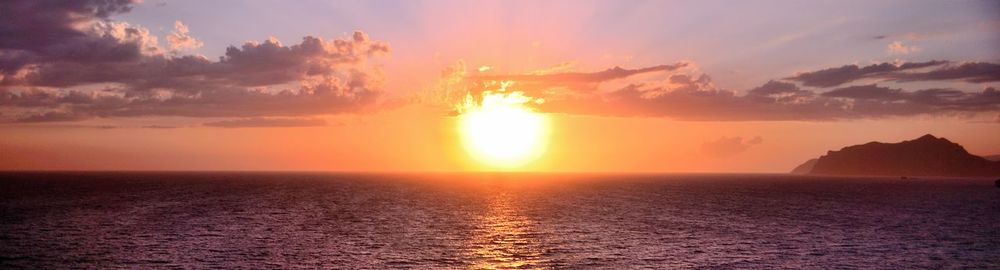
{"x":504,"y":238}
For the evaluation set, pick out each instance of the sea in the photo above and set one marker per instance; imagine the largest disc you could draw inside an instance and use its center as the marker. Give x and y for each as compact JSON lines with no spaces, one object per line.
{"x":313,"y":220}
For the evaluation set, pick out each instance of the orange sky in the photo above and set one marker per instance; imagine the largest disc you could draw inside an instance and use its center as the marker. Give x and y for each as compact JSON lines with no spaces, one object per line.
{"x":578,"y":143}
{"x":642,"y":87}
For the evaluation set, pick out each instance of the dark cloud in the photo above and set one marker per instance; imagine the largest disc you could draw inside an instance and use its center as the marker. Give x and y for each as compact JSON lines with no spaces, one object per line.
{"x":779,"y":92}
{"x":253,"y":64}
{"x":867,"y":92}
{"x":268,"y":122}
{"x":773,"y":87}
{"x":840,"y":75}
{"x":906,"y":36}
{"x":43,"y":77}
{"x":974,"y":72}
{"x":54,"y":116}
{"x":725,"y":147}
{"x":33,"y":32}
{"x":324,"y":97}
{"x":936,"y":98}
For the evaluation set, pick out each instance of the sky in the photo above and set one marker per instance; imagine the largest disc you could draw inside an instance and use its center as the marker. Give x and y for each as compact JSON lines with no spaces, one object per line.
{"x":621,"y":86}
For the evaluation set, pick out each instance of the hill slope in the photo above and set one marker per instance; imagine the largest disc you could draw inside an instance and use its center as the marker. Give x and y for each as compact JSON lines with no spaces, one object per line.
{"x":924,"y":156}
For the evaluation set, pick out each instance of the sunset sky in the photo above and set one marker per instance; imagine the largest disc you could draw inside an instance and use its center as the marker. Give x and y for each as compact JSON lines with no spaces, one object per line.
{"x":398,"y":86}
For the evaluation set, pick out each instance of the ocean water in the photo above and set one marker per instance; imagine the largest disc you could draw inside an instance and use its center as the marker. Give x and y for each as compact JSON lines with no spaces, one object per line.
{"x":494,"y":221}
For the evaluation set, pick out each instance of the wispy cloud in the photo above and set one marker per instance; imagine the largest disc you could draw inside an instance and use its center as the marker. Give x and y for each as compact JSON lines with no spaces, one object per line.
{"x":268,"y":122}
{"x":898,"y":48}
{"x":726,"y":147}
{"x":974,"y":72}
{"x":582,"y":77}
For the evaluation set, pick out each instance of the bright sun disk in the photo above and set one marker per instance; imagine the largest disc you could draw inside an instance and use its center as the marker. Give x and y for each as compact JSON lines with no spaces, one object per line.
{"x":501,"y":131}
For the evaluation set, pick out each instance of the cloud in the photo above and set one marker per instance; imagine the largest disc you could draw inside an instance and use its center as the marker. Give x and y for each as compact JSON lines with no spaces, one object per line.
{"x":561,"y":67}
{"x":51,"y":77}
{"x":456,"y":82}
{"x":840,"y":75}
{"x":73,"y":31}
{"x":703,"y":103}
{"x":323,"y":97}
{"x":268,"y":122}
{"x":683,"y":95}
{"x":907,"y":36}
{"x":592,"y":77}
{"x":867,"y":92}
{"x":897,"y":48}
{"x":974,"y":72}
{"x":158,"y":127}
{"x":549,"y":80}
{"x":179,"y":39}
{"x":88,"y":65}
{"x":953,"y":99}
{"x":699,"y":100}
{"x":726,"y":147}
{"x":54,"y":116}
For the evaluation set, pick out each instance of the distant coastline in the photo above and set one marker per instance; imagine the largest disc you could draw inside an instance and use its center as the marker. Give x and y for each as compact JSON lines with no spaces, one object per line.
{"x":924,"y":156}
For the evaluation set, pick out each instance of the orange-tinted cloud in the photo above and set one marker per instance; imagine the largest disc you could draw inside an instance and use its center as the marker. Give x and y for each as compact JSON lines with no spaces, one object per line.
{"x":582,"y":77}
{"x":897,"y":47}
{"x":725,"y":146}
{"x":268,"y":122}
{"x":181,"y":39}
{"x":681,"y":95}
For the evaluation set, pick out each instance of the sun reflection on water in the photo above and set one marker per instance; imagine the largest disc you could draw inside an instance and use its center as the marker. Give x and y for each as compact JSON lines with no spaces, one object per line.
{"x":505,"y":237}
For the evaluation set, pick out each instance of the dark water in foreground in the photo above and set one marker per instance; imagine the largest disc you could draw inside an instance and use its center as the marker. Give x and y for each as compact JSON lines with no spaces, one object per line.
{"x":287,"y":220}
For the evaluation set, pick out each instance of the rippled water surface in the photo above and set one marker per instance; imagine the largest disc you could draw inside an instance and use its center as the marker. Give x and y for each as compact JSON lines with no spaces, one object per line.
{"x":310,"y":220}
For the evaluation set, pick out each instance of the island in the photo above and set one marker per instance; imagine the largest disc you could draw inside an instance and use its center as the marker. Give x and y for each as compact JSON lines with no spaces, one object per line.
{"x":924,"y":156}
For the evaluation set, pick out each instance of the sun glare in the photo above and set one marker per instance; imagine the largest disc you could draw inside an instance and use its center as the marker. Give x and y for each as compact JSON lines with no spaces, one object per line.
{"x":501,"y":130}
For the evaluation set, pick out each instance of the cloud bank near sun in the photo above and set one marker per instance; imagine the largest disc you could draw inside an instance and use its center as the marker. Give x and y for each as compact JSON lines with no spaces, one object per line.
{"x":88,"y":65}
{"x":679,"y":92}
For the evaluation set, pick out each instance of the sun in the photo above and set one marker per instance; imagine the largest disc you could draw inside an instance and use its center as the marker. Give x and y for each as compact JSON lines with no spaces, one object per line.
{"x":501,"y":131}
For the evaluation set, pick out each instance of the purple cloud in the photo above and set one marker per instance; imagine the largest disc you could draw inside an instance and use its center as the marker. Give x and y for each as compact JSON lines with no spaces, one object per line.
{"x":974,"y":72}
{"x":44,"y":77}
{"x":840,"y":75}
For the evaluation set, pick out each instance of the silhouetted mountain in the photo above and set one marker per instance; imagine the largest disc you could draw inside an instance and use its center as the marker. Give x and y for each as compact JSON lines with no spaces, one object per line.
{"x":924,"y":156}
{"x":806,"y":167}
{"x":993,"y":157}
